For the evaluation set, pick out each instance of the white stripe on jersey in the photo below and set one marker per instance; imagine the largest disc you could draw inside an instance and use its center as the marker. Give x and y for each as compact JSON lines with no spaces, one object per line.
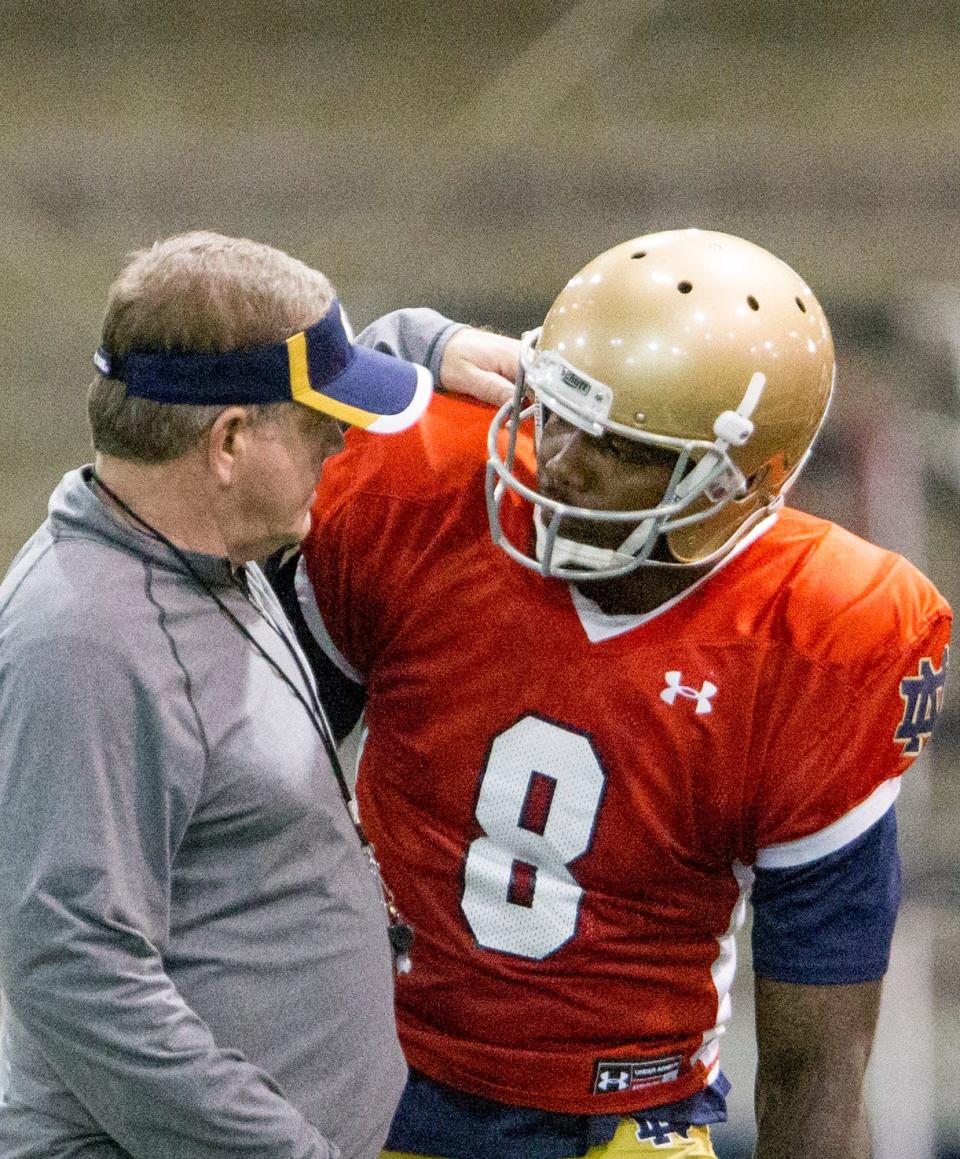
{"x":318,"y":629}
{"x":835,"y":835}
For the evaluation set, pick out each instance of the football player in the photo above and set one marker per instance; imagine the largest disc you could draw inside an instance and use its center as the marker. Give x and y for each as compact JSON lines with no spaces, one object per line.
{"x":614,"y":687}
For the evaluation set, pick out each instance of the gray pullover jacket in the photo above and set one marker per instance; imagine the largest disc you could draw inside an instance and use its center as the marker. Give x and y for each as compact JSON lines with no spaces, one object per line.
{"x":192,"y":944}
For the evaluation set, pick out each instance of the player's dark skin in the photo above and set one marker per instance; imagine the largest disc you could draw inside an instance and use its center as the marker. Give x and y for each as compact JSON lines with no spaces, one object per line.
{"x":610,"y":473}
{"x":813,"y":1042}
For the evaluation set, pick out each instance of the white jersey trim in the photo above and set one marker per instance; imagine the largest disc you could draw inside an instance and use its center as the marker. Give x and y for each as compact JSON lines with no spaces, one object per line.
{"x":599,"y":626}
{"x":722,"y":970}
{"x":835,"y":835}
{"x":314,"y":620}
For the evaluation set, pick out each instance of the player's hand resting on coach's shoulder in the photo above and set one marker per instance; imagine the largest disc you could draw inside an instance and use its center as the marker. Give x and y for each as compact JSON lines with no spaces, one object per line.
{"x":480,"y":364}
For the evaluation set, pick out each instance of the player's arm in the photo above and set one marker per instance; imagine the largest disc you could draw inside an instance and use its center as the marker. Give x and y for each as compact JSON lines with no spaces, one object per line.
{"x":821,"y":940}
{"x":827,"y":871}
{"x":462,"y":359}
{"x":813,"y":1045}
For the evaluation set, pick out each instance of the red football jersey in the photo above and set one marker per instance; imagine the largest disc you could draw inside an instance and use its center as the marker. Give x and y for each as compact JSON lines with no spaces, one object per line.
{"x":567,"y":805}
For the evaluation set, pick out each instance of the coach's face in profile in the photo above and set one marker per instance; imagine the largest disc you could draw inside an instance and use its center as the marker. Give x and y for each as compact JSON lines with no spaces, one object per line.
{"x":267,"y":468}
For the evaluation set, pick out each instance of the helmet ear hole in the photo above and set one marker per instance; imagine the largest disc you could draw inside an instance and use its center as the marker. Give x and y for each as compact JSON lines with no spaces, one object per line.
{"x":756,"y":481}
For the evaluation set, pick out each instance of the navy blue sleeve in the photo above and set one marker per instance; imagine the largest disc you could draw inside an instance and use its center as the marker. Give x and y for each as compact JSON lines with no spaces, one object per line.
{"x":830,"y":922}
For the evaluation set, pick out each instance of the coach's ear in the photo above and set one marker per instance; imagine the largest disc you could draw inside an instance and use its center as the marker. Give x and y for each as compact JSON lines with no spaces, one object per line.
{"x":480,"y":364}
{"x":227,"y":441}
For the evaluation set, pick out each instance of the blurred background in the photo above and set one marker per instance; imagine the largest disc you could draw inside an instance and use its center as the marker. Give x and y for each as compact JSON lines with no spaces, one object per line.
{"x":472,"y":158}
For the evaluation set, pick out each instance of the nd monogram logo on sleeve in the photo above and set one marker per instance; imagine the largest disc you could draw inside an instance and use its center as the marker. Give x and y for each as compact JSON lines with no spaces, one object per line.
{"x":922,"y":699}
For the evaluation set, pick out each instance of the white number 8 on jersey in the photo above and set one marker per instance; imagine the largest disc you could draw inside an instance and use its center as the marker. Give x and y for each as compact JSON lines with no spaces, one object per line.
{"x":539,"y":795}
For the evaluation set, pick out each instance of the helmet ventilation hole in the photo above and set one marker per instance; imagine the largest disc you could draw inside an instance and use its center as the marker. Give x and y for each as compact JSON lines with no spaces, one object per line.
{"x":799,"y":302}
{"x":641,"y":254}
{"x":684,"y":287}
{"x":752,"y":302}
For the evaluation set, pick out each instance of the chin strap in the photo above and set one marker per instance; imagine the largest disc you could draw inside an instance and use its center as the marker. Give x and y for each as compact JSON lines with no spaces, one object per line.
{"x":572,"y":553}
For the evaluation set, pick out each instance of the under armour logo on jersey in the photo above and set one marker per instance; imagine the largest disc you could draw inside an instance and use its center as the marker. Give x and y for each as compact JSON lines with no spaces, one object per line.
{"x":676,"y":688}
{"x":613,"y":1080}
{"x":634,"y":1074}
{"x":922,"y":699}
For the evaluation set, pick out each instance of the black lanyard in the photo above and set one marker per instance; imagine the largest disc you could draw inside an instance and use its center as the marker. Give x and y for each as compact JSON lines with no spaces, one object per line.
{"x":399,"y":931}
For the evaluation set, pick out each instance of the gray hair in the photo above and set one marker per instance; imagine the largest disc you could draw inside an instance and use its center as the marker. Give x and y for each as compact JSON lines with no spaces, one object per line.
{"x":204,"y":293}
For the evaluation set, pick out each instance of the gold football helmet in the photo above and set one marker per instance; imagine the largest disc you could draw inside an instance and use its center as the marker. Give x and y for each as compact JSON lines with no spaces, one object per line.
{"x":691,"y":340}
